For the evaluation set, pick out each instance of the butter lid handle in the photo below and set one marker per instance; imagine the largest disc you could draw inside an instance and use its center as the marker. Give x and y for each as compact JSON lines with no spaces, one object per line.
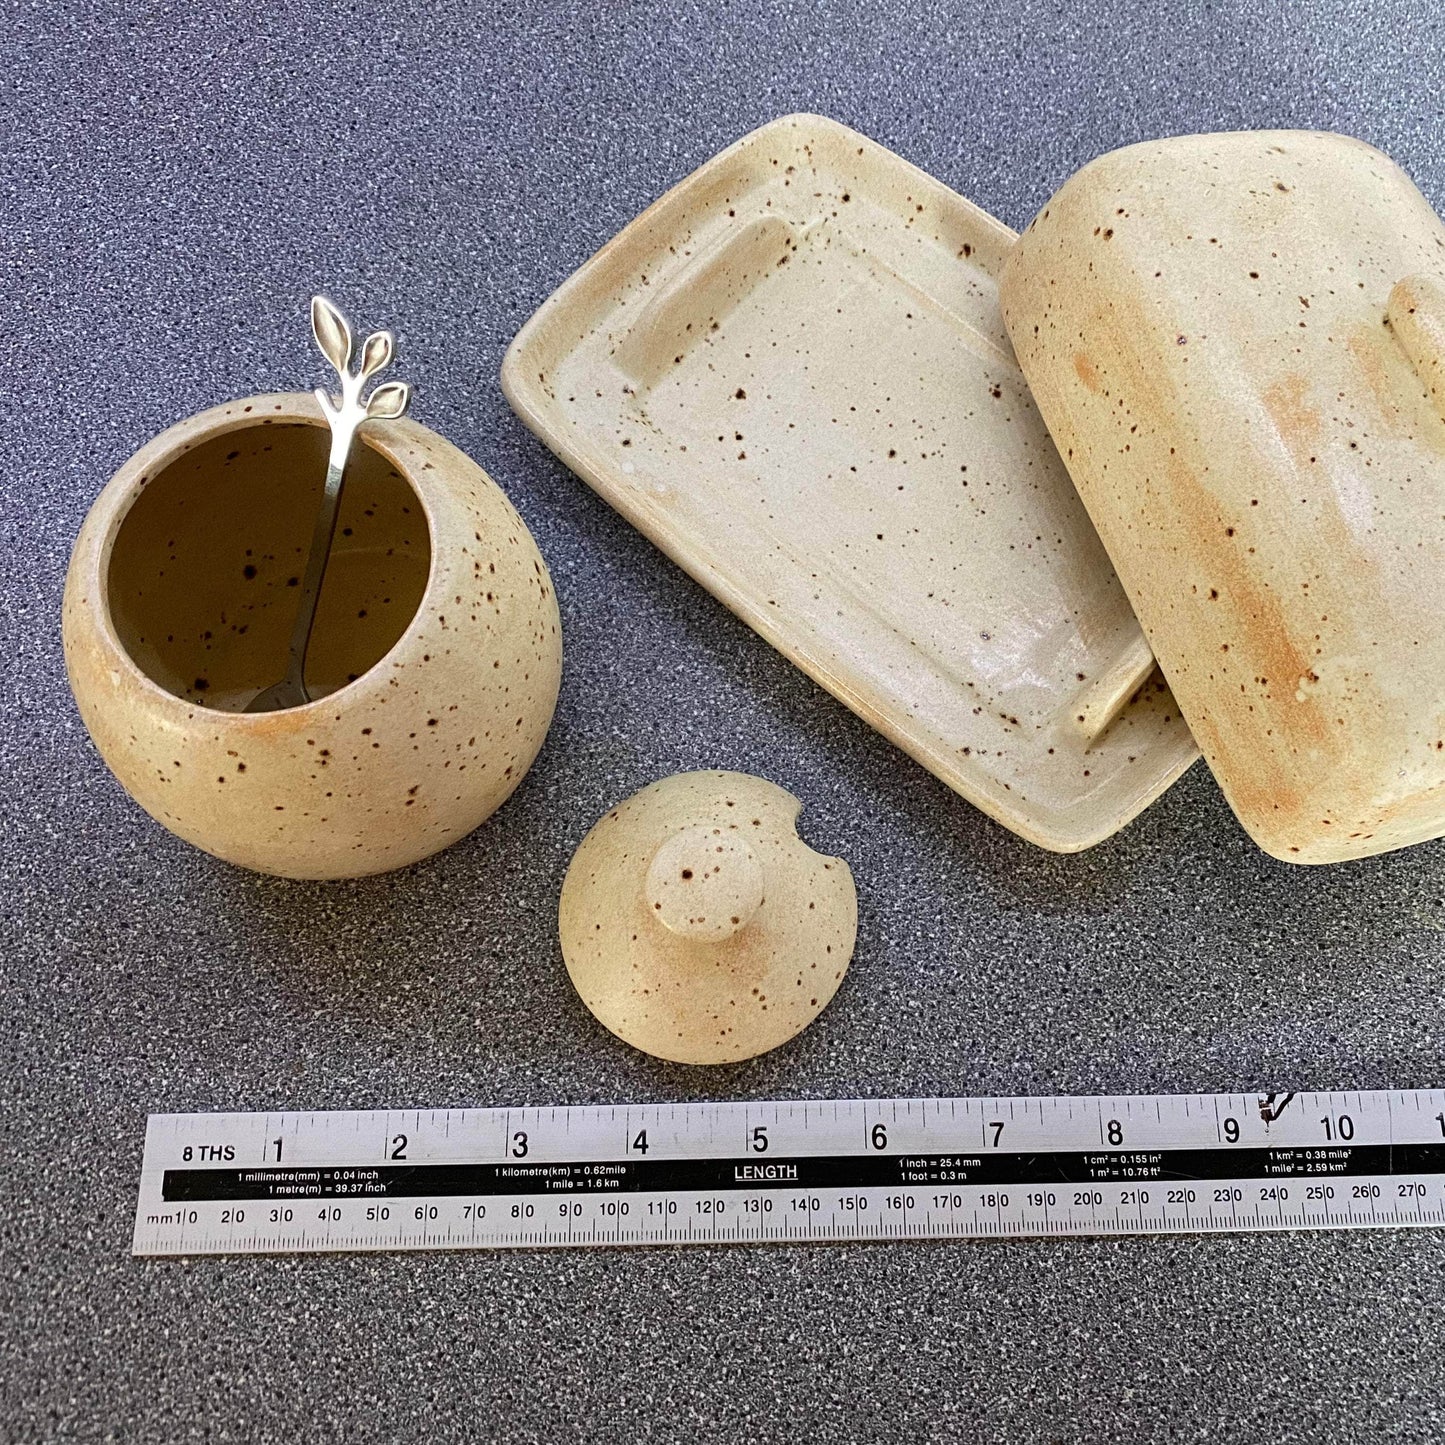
{"x":1416,"y":314}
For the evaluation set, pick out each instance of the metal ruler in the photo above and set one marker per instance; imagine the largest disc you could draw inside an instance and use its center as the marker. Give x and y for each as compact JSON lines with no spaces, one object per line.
{"x":710,"y":1173}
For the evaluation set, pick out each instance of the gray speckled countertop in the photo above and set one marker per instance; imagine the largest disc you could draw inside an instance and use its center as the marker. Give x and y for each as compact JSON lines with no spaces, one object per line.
{"x":177,"y":179}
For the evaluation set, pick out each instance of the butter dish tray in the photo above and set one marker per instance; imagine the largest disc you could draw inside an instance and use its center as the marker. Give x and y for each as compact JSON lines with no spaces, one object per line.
{"x":792,"y":375}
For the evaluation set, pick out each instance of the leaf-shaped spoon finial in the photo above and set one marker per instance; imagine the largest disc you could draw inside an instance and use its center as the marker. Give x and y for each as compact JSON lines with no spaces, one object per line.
{"x":333,"y":336}
{"x":344,"y":413}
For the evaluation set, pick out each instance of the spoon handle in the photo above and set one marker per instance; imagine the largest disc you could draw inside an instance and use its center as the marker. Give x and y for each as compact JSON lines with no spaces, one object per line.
{"x":344,"y":413}
{"x":320,"y":554}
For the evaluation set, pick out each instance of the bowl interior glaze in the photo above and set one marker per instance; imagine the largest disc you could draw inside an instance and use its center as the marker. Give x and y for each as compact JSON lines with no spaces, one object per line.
{"x":204,"y":572}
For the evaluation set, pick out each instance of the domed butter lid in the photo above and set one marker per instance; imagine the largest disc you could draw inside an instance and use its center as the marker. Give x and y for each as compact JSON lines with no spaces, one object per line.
{"x":699,"y":927}
{"x":1235,"y":341}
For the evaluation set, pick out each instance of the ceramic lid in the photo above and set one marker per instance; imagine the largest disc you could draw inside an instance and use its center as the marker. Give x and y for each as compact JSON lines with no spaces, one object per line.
{"x":698,"y":926}
{"x":1237,"y":343}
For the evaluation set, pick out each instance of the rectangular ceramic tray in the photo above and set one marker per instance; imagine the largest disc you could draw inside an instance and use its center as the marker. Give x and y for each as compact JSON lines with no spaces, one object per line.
{"x":791,"y":374}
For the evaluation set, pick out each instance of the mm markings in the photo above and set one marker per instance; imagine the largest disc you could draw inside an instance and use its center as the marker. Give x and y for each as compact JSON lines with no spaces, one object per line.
{"x":768,"y":1172}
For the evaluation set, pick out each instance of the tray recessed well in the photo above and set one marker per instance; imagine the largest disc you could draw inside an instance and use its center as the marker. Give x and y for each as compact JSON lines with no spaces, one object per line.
{"x":791,"y":374}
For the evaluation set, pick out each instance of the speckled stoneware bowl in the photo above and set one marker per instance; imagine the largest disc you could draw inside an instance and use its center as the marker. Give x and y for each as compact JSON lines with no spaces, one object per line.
{"x":434,"y":663}
{"x":699,"y":927}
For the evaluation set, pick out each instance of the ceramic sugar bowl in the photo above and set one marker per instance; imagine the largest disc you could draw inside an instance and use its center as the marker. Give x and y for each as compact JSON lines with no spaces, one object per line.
{"x":433,"y":664}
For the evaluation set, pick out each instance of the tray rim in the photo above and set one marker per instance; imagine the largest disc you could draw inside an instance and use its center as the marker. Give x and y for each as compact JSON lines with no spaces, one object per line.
{"x":571,"y":449}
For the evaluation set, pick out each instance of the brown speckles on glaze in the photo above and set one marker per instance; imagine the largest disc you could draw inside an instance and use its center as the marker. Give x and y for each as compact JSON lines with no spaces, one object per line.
{"x":842,"y":449}
{"x":415,"y":740}
{"x":690,"y":930}
{"x":1263,"y":459}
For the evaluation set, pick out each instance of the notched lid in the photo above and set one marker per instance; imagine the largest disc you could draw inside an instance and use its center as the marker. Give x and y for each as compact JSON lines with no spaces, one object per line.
{"x":698,"y":926}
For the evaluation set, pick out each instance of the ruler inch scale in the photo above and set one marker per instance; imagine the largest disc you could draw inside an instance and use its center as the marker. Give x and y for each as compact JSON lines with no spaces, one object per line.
{"x":793,"y":1171}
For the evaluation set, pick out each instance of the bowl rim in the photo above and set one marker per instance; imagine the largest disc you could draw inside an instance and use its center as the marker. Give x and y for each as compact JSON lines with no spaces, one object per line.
{"x":90,"y":562}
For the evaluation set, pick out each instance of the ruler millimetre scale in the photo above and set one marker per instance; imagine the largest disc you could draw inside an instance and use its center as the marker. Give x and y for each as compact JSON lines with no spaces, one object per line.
{"x":711,"y":1173}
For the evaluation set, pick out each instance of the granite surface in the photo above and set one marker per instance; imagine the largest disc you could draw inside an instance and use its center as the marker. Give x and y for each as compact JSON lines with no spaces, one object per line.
{"x":177,"y":179}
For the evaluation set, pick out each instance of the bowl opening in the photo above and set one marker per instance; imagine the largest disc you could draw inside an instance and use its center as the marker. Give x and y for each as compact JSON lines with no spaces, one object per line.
{"x":205,"y":571}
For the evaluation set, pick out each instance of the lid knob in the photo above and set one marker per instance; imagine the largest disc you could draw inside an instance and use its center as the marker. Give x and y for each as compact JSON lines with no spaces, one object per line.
{"x":703,"y":884}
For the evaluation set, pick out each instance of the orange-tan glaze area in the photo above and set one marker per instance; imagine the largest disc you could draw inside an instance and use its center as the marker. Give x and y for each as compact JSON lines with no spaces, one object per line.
{"x":1208,"y":328}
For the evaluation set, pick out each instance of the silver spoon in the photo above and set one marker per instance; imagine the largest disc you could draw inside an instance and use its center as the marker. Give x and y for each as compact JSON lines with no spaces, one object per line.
{"x":344,"y":414}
